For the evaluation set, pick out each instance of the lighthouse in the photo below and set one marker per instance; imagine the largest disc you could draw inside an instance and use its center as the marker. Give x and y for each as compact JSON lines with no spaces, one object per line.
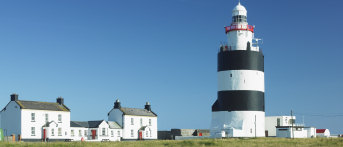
{"x":239,"y":110}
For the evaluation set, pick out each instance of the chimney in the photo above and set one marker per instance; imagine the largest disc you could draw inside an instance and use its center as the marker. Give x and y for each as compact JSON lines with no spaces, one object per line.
{"x":147,"y":106}
{"x":14,"y":97}
{"x":60,"y":100}
{"x":117,"y":104}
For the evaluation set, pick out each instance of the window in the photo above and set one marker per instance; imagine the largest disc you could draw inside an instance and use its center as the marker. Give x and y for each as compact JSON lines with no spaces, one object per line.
{"x":250,"y":130}
{"x":230,"y":75}
{"x":47,"y":117}
{"x":33,"y":130}
{"x":52,"y":132}
{"x":103,"y":131}
{"x":149,"y":122}
{"x":112,"y":133}
{"x":33,"y":117}
{"x":85,"y":132}
{"x":150,"y":134}
{"x":80,"y":133}
{"x":72,"y":133}
{"x":147,"y":134}
{"x":59,"y":118}
{"x":59,"y":131}
{"x":141,"y":122}
{"x":132,"y":123}
{"x":131,"y":133}
{"x":118,"y":133}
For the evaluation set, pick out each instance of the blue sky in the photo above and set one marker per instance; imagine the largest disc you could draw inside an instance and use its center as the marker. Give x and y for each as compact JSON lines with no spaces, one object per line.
{"x":164,"y":52}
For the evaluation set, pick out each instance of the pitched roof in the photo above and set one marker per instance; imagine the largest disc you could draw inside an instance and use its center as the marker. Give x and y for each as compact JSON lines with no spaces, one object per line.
{"x":86,"y":124}
{"x":320,"y":130}
{"x":137,"y":112}
{"x":114,"y":125}
{"x":42,"y":105}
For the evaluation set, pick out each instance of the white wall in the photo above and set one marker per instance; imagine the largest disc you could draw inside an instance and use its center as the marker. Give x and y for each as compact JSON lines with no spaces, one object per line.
{"x":26,"y":123}
{"x":77,"y":137}
{"x":241,"y":80}
{"x":238,"y":39}
{"x":238,"y":123}
{"x":287,"y":133}
{"x":11,"y":118}
{"x":137,"y":125}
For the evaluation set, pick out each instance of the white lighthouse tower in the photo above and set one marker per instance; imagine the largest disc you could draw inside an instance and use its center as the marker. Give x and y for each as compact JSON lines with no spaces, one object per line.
{"x":239,"y":108}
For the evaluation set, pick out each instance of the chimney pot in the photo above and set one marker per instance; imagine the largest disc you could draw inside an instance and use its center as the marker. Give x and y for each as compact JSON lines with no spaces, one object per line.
{"x":14,"y":97}
{"x":60,"y":100}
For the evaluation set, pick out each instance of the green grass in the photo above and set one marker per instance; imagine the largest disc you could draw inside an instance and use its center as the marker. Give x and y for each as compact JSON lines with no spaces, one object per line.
{"x":246,"y":142}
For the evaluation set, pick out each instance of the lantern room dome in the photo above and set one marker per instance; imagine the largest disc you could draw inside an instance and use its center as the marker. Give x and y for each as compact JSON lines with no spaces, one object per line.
{"x":239,"y":10}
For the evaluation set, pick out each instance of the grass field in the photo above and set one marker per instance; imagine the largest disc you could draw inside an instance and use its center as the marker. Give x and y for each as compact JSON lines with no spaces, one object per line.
{"x":247,"y":142}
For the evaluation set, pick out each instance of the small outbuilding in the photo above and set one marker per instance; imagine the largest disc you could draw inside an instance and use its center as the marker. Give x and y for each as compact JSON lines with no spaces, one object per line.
{"x":323,"y":133}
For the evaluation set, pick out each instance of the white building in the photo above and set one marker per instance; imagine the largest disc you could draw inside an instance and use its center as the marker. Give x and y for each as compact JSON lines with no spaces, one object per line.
{"x":323,"y":133}
{"x":95,"y":131}
{"x":36,"y":121}
{"x":136,"y":123}
{"x":295,"y":132}
{"x":272,"y":122}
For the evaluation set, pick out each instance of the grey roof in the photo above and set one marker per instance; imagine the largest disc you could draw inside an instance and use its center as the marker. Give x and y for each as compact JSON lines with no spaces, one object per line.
{"x":86,"y":124}
{"x":114,"y":125}
{"x":137,"y":112}
{"x":42,"y":105}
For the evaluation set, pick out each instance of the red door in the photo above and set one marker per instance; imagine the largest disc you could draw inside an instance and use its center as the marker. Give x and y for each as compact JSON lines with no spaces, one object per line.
{"x":140,"y":135}
{"x":93,"y":134}
{"x":44,"y":134}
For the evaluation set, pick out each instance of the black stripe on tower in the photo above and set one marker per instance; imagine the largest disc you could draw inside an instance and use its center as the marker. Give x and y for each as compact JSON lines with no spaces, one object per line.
{"x":240,"y":60}
{"x":239,"y":100}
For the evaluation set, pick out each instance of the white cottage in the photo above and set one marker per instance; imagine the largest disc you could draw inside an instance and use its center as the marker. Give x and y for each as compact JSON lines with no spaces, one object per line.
{"x":100,"y":130}
{"x":36,"y":121}
{"x":323,"y":133}
{"x":137,"y":123}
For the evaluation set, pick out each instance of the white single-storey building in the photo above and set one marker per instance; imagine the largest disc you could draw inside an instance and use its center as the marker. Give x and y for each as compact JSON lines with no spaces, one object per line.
{"x":137,"y":123}
{"x":95,"y":131}
{"x":272,"y":122}
{"x":296,"y":132}
{"x":36,"y":121}
{"x":323,"y":133}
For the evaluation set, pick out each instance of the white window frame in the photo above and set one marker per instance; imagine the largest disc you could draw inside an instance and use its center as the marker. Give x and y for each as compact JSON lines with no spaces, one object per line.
{"x":59,"y":131}
{"x":112,"y":133}
{"x":118,"y":133}
{"x":33,"y":117}
{"x":52,"y":132}
{"x":141,"y":121}
{"x":72,"y":133}
{"x":60,"y":118}
{"x":46,"y":117}
{"x":132,"y":133}
{"x":132,"y":121}
{"x":149,"y":122}
{"x":33,"y":131}
{"x":80,"y":133}
{"x":103,"y":131}
{"x":85,"y":132}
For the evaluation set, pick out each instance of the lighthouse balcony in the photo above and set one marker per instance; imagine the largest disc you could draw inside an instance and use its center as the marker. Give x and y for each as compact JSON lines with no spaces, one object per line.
{"x":239,"y":27}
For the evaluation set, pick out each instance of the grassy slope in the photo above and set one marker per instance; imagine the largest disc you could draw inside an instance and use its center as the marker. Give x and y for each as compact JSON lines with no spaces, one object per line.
{"x":202,"y":142}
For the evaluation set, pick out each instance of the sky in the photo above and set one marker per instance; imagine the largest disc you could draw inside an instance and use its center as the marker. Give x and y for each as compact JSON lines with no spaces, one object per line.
{"x":165,"y":52}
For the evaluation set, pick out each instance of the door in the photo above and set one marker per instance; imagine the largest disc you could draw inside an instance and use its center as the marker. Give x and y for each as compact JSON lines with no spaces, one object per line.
{"x":44,"y":134}
{"x":140,"y":135}
{"x":93,"y":134}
